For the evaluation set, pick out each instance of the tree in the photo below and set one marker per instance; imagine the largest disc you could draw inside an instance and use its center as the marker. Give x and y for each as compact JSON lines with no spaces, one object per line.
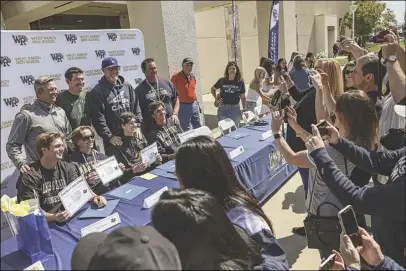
{"x":367,"y":15}
{"x":388,"y":19}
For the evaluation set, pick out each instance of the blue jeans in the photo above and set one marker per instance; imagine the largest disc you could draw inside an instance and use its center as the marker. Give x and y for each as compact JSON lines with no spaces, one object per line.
{"x":304,"y":173}
{"x":230,"y":111}
{"x":189,"y":116}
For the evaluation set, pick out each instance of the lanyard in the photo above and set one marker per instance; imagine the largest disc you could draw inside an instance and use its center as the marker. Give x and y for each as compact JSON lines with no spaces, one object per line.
{"x":88,"y":166}
{"x":157,"y":85}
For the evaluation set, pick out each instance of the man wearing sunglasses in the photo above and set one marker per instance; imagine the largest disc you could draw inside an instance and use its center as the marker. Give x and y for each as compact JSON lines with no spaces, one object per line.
{"x":111,"y":97}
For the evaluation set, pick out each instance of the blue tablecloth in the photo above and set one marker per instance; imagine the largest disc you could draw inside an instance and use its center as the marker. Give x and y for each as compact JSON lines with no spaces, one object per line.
{"x":253,"y":166}
{"x":64,"y":238}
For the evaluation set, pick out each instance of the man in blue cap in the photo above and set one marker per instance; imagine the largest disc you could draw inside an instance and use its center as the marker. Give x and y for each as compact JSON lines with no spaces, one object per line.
{"x":111,"y":97}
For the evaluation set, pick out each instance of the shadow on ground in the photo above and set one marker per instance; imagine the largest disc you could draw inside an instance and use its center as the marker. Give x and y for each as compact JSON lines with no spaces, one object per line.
{"x":293,"y":246}
{"x":296,"y":200}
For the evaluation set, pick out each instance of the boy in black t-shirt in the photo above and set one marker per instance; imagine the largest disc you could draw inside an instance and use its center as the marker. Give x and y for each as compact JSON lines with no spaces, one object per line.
{"x":48,"y":176}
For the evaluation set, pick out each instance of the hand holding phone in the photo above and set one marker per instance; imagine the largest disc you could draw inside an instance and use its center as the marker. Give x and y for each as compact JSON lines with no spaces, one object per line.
{"x":322,"y":128}
{"x":349,"y":224}
{"x":328,"y":263}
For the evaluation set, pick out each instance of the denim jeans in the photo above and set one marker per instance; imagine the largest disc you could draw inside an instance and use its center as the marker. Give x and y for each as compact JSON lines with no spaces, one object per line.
{"x":230,"y":111}
{"x":189,"y":116}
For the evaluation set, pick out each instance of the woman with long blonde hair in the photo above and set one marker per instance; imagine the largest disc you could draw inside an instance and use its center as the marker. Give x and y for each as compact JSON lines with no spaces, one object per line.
{"x":256,"y":95}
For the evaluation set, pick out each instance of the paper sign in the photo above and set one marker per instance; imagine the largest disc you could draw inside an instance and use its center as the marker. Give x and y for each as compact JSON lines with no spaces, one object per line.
{"x":75,"y":195}
{"x":186,"y":135}
{"x":35,"y":266}
{"x":101,"y":225}
{"x":108,"y":170}
{"x":234,"y":153}
{"x":266,"y":135}
{"x":153,"y":199}
{"x":148,"y":176}
{"x":149,"y":154}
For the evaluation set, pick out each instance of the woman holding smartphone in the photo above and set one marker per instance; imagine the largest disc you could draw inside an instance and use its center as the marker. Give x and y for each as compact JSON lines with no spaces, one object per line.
{"x":232,"y":90}
{"x":357,"y":121}
{"x":256,"y":94}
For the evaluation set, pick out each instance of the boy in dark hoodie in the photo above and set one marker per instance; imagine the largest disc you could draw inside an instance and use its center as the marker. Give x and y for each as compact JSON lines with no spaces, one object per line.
{"x":111,"y":97}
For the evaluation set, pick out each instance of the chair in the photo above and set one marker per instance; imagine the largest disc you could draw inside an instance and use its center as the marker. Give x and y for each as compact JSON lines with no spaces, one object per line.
{"x":226,"y":126}
{"x":203,"y":131}
{"x":248,"y":116}
{"x":262,"y":109}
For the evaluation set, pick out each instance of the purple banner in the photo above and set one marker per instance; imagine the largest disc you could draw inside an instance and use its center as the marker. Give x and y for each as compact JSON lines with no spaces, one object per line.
{"x":274,"y":32}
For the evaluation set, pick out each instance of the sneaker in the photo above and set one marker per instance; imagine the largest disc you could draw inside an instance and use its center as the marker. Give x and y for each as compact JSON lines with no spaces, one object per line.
{"x":299,"y":231}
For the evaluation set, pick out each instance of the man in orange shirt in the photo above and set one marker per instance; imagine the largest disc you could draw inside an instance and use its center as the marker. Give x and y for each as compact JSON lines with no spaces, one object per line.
{"x":185,"y":84}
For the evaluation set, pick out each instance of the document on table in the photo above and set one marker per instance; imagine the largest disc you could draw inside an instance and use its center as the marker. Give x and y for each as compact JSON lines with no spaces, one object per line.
{"x":186,"y":135}
{"x":102,"y":224}
{"x":94,"y":212}
{"x":149,"y":154}
{"x":127,"y":191}
{"x":108,"y":170}
{"x":237,"y":135}
{"x":75,"y":195}
{"x":148,"y":176}
{"x":168,"y":166}
{"x":35,"y":266}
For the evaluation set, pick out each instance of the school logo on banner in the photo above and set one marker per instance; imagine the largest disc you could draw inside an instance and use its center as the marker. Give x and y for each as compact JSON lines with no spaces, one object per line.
{"x":5,"y":61}
{"x":5,"y":83}
{"x":27,"y":79}
{"x":11,"y":101}
{"x":20,"y":39}
{"x":112,"y":36}
{"x":136,"y":51}
{"x":100,"y":54}
{"x":58,"y":57}
{"x":72,"y":38}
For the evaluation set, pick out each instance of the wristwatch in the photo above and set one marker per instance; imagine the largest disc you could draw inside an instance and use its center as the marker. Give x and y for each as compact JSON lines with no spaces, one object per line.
{"x":390,"y":58}
{"x":276,"y":136}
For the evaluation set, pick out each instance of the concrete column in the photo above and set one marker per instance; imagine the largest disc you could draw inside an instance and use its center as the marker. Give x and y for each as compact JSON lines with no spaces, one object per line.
{"x":169,"y":34}
{"x":124,"y":22}
{"x":3,"y":25}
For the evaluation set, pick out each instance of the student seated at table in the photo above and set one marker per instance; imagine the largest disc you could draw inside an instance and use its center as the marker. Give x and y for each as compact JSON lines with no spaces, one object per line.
{"x":164,"y":132}
{"x":85,"y":156}
{"x":195,"y":222}
{"x":48,"y":176}
{"x":129,"y":152}
{"x":202,"y":163}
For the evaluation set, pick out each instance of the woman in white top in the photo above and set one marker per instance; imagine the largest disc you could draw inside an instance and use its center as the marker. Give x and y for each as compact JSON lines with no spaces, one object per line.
{"x":256,"y":93}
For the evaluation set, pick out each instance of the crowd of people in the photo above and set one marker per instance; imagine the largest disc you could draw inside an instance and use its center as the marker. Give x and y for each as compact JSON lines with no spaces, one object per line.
{"x":212,"y":222}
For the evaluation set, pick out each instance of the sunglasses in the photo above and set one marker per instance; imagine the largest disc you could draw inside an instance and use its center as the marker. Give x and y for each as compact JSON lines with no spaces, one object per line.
{"x":348,"y":72}
{"x":87,"y":138}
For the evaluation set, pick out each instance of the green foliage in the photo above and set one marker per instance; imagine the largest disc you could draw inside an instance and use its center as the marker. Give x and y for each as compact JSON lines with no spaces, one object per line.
{"x":388,"y":19}
{"x":367,"y":15}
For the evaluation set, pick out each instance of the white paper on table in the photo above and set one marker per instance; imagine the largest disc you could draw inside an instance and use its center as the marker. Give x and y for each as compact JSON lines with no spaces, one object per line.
{"x":101,"y":225}
{"x":149,"y":154}
{"x":266,"y":135}
{"x":153,"y":199}
{"x":234,"y":153}
{"x":35,"y":266}
{"x":75,"y":195}
{"x":108,"y":169}
{"x":186,"y":135}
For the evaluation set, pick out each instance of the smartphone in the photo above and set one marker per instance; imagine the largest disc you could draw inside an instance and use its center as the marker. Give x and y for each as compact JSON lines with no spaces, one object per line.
{"x":285,"y":75}
{"x":322,"y":128}
{"x":328,"y":263}
{"x":349,"y":224}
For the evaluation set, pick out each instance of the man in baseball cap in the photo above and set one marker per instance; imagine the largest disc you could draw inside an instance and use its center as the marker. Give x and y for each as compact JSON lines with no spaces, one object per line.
{"x":110,"y":62}
{"x":126,"y":248}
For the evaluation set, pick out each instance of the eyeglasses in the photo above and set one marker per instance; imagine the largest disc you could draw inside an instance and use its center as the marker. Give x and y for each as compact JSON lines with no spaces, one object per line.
{"x":87,"y":138}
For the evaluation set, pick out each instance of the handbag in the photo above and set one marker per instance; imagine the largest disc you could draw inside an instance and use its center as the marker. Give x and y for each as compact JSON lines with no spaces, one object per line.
{"x":323,"y":232}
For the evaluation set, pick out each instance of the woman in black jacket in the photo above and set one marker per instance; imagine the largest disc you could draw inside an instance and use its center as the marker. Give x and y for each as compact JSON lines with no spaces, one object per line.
{"x":129,"y":153}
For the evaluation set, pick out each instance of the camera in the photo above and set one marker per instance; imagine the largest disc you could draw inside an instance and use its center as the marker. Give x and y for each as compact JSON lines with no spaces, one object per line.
{"x":322,"y":128}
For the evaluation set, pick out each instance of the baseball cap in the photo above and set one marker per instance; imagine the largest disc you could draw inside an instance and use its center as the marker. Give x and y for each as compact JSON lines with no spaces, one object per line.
{"x":187,"y":60}
{"x":109,"y":62}
{"x":400,"y":108}
{"x":127,"y":248}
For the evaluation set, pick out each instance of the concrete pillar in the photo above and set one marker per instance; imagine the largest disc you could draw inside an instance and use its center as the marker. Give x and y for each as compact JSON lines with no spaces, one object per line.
{"x":3,"y":25}
{"x":124,"y":22}
{"x":169,"y":34}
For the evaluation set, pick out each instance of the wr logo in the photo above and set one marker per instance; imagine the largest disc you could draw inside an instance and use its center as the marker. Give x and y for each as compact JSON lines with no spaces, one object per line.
{"x":13,"y":101}
{"x":20,"y":39}
{"x":138,"y":81}
{"x":136,"y":51}
{"x":71,"y":38}
{"x":57,"y":57}
{"x":112,"y":36}
{"x":5,"y":61}
{"x":100,"y":53}
{"x":27,"y":79}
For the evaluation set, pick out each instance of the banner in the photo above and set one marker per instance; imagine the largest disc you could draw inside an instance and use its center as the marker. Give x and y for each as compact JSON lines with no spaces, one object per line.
{"x":274,"y":32}
{"x":27,"y":55}
{"x":234,"y":32}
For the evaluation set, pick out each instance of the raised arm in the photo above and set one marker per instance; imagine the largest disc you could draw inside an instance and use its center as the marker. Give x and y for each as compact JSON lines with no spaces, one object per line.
{"x":16,"y":139}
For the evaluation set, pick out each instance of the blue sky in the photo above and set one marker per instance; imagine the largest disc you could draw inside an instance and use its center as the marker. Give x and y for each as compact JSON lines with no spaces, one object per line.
{"x":398,"y":7}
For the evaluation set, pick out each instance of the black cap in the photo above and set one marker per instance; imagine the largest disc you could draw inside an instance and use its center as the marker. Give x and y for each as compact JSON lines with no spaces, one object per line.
{"x":187,"y":60}
{"x":128,"y":248}
{"x":85,"y":249}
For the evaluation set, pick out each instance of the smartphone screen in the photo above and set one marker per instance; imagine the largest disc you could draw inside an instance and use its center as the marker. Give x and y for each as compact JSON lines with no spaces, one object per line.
{"x":322,"y":128}
{"x":350,"y":225}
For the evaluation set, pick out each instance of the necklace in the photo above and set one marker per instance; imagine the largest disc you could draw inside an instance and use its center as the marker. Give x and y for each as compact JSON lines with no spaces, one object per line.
{"x":157,"y":85}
